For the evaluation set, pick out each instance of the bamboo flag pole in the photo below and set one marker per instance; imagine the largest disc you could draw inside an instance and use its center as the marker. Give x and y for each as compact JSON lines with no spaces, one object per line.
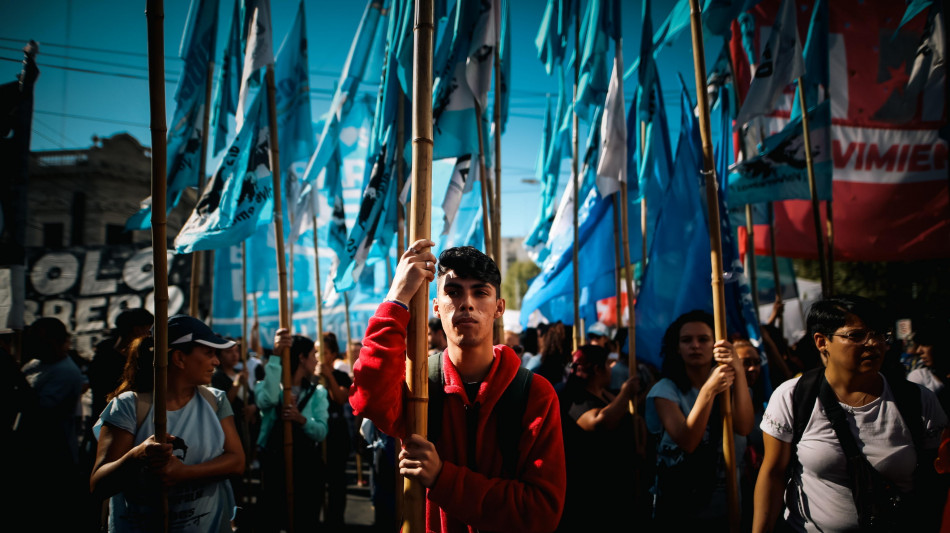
{"x":813,"y":190}
{"x":618,"y":257}
{"x":496,"y":206}
{"x":831,"y":246}
{"x":202,"y":169}
{"x":417,"y":368}
{"x":245,"y":423}
{"x":346,"y":311}
{"x":316,"y":271}
{"x":485,"y":185}
{"x":643,"y":199}
{"x":715,"y":241}
{"x":284,"y":310}
{"x":750,"y":255}
{"x":578,"y":335}
{"x":155,"y":17}
{"x":776,"y":277}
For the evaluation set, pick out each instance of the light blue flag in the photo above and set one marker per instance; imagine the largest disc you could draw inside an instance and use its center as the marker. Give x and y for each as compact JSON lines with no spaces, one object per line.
{"x":461,"y":77}
{"x":505,"y":53}
{"x":294,"y":123}
{"x":669,"y":30}
{"x":817,"y":67}
{"x":593,"y":80}
{"x":542,"y":224}
{"x":654,"y":164}
{"x":240,"y":196}
{"x":779,"y":171}
{"x":556,"y":26}
{"x":187,"y":126}
{"x":353,"y":74}
{"x":552,"y":291}
{"x":646,"y":76}
{"x":225,"y":100}
{"x":676,"y":279}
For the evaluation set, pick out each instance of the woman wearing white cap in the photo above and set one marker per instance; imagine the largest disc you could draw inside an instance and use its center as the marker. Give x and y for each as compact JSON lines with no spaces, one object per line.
{"x":203,"y":446}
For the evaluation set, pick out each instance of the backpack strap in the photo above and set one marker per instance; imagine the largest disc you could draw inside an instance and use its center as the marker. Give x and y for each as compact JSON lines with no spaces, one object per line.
{"x":436,"y":398}
{"x":907,"y":397}
{"x":510,"y":408}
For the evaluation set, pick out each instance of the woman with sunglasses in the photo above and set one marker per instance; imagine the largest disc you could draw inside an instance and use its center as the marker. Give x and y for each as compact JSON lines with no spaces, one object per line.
{"x":852,"y":336}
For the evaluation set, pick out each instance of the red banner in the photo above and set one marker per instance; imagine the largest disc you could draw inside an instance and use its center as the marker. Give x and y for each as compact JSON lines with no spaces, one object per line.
{"x":890,"y":186}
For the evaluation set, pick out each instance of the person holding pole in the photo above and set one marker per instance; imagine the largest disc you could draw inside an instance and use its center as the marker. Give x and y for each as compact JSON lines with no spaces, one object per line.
{"x":494,"y":455}
{"x":308,"y":413}
{"x":200,"y":452}
{"x":690,"y":478}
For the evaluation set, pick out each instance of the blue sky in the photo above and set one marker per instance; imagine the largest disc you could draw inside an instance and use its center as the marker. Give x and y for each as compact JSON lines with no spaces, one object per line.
{"x":108,"y":37}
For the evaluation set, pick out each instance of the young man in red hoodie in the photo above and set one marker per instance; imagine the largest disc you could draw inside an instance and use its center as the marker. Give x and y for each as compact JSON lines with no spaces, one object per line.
{"x":470,"y":485}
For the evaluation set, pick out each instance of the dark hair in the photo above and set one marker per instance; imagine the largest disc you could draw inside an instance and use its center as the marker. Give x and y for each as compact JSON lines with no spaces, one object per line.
{"x":586,"y":359}
{"x":529,"y":339}
{"x":469,"y":263}
{"x":931,"y":333}
{"x":828,"y":315}
{"x":137,"y":375}
{"x":299,"y":347}
{"x":131,"y":318}
{"x":331,"y":344}
{"x":435,"y":324}
{"x":673,"y":366}
{"x":44,"y":338}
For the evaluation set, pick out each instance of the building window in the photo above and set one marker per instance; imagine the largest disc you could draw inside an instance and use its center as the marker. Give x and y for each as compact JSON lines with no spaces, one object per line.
{"x":53,"y":235}
{"x":116,"y":234}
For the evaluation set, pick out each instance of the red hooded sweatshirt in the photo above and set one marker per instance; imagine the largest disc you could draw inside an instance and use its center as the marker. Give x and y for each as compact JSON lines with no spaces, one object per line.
{"x":463,"y":499}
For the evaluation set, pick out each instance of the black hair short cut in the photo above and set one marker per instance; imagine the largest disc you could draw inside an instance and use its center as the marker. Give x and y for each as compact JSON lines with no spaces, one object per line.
{"x":435,"y":324}
{"x":129,"y":318}
{"x":673,"y":366}
{"x":828,"y":315}
{"x":470,"y":263}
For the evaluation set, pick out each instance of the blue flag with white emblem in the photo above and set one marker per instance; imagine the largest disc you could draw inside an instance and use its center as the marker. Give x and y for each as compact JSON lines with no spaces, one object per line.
{"x":240,"y":195}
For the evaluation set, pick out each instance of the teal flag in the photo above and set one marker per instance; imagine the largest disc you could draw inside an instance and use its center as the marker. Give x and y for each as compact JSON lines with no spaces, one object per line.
{"x":225,"y":100}
{"x":240,"y":195}
{"x":187,"y":127}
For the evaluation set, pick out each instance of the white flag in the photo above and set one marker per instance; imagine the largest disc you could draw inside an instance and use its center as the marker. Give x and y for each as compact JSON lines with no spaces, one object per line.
{"x":781,"y":63}
{"x":612,"y":168}
{"x":463,"y":175}
{"x":259,"y":52}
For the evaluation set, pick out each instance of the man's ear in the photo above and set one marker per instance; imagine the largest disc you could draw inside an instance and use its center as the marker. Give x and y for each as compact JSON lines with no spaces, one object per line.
{"x":499,"y":307}
{"x":435,"y":307}
{"x":821,"y":342}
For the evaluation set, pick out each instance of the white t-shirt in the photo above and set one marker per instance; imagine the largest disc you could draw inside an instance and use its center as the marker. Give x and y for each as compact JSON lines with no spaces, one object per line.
{"x":923,"y":376}
{"x":819,"y":497}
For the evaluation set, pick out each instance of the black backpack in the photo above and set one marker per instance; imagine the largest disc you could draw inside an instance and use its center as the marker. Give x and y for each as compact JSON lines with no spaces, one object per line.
{"x":510,"y":408}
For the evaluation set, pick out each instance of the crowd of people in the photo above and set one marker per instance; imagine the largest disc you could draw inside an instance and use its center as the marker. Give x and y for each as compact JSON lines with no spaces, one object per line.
{"x":843,"y":430}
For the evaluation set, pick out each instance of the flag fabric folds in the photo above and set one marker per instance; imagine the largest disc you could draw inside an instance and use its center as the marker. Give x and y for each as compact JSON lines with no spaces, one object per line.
{"x":226,"y":93}
{"x":612,"y":168}
{"x":781,"y":63}
{"x":886,"y":147}
{"x":258,"y":53}
{"x":239,"y":197}
{"x":187,"y":127}
{"x":553,"y":35}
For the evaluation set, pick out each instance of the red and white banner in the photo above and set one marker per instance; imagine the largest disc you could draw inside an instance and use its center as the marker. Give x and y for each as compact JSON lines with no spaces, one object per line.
{"x":890,"y":186}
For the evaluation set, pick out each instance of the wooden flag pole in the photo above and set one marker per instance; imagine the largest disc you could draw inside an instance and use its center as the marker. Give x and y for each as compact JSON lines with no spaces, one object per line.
{"x":643,"y":200}
{"x":715,"y":241}
{"x":284,"y":310}
{"x":155,"y":17}
{"x":578,"y":334}
{"x":776,"y":277}
{"x":346,"y":308}
{"x":245,"y":423}
{"x":831,"y":246}
{"x":813,"y":190}
{"x":417,"y":368}
{"x":319,"y":288}
{"x":750,"y":255}
{"x":618,"y":257}
{"x":496,"y":206}
{"x":485,"y":185}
